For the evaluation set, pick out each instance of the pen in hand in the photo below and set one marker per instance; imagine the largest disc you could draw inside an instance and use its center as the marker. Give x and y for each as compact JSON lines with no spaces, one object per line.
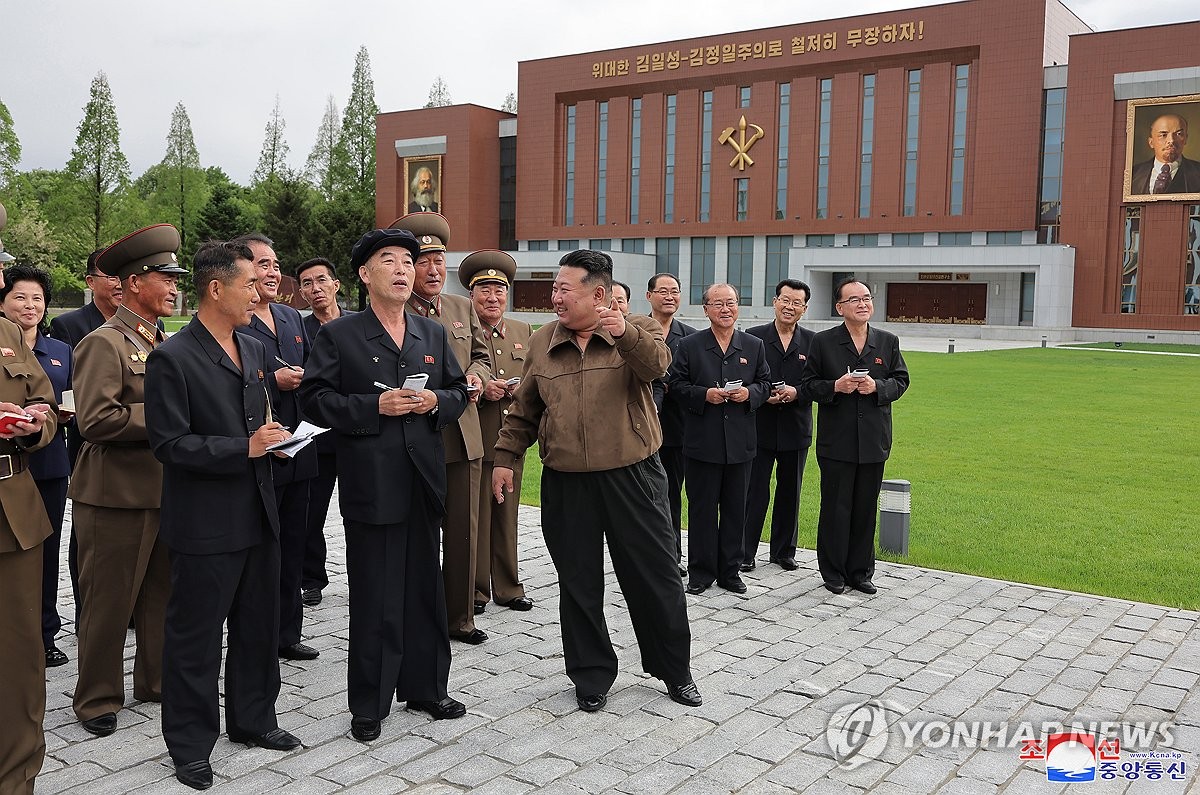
{"x":287,"y":365}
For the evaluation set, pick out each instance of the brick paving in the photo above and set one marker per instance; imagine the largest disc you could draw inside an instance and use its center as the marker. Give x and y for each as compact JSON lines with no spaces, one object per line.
{"x":773,"y":666}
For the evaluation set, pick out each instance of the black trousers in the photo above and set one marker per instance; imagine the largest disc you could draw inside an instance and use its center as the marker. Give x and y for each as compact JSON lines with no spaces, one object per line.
{"x":672,"y":462}
{"x":789,"y":474}
{"x":399,"y":643}
{"x":54,"y":496}
{"x":206,"y":590}
{"x":320,"y":491}
{"x":716,"y":520}
{"x":628,"y":507}
{"x":846,"y":529}
{"x":292,"y":501}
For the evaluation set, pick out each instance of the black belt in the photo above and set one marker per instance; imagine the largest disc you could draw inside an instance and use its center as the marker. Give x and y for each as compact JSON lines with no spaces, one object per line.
{"x":11,"y":464}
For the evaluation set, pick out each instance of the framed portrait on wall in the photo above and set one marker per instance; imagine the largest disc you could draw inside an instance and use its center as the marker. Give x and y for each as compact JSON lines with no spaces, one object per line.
{"x":1162,"y":160}
{"x":423,"y":181}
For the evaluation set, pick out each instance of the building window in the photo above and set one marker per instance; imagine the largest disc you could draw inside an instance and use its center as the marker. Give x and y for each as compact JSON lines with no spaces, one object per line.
{"x":954,"y":238}
{"x":862,"y":241}
{"x":633,"y":245}
{"x":867,"y":146}
{"x":1054,"y":105}
{"x":818,"y":241}
{"x":1131,"y":249}
{"x":908,"y":238}
{"x":778,"y":249}
{"x":569,"y":198}
{"x":666,"y":256}
{"x":669,"y":163}
{"x":912,"y":132}
{"x":823,"y":127}
{"x":741,"y":268}
{"x":635,"y":159}
{"x":508,"y":193}
{"x":704,"y":267}
{"x":744,"y":97}
{"x":600,"y":245}
{"x":958,"y":152}
{"x":1191,"y":266}
{"x":781,"y":156}
{"x":1004,"y":238}
{"x":539,"y":245}
{"x":835,"y":279}
{"x":602,"y":165}
{"x":705,"y":154}
{"x":742,"y":204}
{"x":568,"y":245}
{"x":1028,"y":282}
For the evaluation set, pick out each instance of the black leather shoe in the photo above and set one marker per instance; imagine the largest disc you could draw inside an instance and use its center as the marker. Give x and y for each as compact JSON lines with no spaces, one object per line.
{"x":364,"y":729}
{"x":685,"y":693}
{"x":787,"y":564}
{"x":55,"y":658}
{"x":683,"y":572}
{"x":834,"y":587}
{"x":311,"y":597}
{"x":298,"y":651}
{"x":446,"y":709}
{"x":747,"y":565}
{"x":474,"y":637}
{"x":274,"y":740}
{"x":101,"y":726}
{"x":695,"y":590}
{"x":197,"y":775}
{"x":480,"y":607}
{"x":866,"y":586}
{"x":592,"y":703}
{"x":735,"y":585}
{"x":521,"y":603}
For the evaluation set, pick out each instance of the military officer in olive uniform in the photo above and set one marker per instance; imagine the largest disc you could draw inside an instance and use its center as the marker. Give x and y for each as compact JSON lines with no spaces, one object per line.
{"x":488,"y":275}
{"x":117,"y":483}
{"x":463,"y":440}
{"x":24,"y":388}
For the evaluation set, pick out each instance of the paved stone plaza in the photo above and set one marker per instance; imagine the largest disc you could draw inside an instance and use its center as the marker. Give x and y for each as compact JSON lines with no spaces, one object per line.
{"x":773,"y":667}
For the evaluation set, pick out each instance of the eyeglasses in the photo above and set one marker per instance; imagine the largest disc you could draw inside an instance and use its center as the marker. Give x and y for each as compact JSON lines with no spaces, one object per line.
{"x":855,"y":300}
{"x":667,"y":293}
{"x":789,"y":302}
{"x":730,"y":304}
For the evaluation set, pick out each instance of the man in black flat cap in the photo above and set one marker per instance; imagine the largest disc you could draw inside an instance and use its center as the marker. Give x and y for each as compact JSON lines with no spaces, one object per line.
{"x":117,"y":483}
{"x":208,"y":413}
{"x":392,"y":476}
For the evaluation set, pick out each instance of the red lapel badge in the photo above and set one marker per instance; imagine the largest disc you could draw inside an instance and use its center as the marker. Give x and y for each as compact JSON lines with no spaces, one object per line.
{"x":878,"y":360}
{"x":429,"y":360}
{"x":802,"y":357}
{"x":458,"y":324}
{"x":741,"y":360}
{"x":7,"y":352}
{"x":299,"y":340}
{"x":518,"y":346}
{"x":56,"y":362}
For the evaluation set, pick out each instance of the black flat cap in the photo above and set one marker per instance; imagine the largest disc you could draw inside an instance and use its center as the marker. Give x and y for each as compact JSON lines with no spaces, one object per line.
{"x":376,"y":239}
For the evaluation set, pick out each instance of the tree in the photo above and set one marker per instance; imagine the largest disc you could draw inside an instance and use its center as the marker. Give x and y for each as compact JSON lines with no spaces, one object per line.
{"x":29,"y":238}
{"x":97,"y":163}
{"x":273,"y":158}
{"x":10,"y":147}
{"x":510,"y":103}
{"x":439,"y":94}
{"x":183,"y":186}
{"x":354,"y":161}
{"x":287,"y":203}
{"x":319,"y":168}
{"x":227,"y":213}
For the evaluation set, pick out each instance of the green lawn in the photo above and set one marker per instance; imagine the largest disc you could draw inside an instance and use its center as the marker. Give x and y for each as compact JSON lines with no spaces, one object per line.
{"x":1070,"y":469}
{"x":1157,"y":347}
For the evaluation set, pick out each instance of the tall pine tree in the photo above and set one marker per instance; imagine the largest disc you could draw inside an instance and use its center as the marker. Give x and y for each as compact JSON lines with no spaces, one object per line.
{"x":272,"y":161}
{"x":183,"y":186}
{"x":319,"y":168}
{"x":10,"y":147}
{"x":354,"y":155}
{"x":98,"y":165}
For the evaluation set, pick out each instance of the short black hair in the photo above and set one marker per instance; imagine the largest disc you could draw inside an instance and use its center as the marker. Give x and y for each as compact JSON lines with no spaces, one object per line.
{"x":316,"y":262}
{"x":217,"y":259}
{"x":597,"y":264}
{"x":652,"y":285}
{"x":794,"y":284}
{"x":92,"y":269}
{"x":837,"y":291}
{"x":27,"y":273}
{"x":625,"y":287}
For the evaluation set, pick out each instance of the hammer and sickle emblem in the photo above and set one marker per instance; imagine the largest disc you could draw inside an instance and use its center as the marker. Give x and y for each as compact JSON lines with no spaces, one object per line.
{"x":742,"y":144}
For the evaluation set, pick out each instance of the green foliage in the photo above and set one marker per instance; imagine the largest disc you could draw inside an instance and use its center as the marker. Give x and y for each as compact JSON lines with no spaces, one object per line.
{"x":272,"y":160}
{"x":29,"y":238}
{"x":439,"y":94}
{"x":98,"y":167}
{"x":510,"y":103}
{"x":10,"y":147}
{"x":182,"y":187}
{"x":287,"y":201}
{"x":354,"y":155}
{"x":228,"y":213}
{"x":320,"y":166}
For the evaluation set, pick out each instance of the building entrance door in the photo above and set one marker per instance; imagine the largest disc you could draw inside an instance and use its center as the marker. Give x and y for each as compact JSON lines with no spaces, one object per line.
{"x":937,"y":303}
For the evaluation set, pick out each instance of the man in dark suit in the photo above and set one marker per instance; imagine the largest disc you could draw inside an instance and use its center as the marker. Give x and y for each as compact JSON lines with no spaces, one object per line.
{"x":281,"y":331}
{"x":1168,"y":171}
{"x":319,"y":286}
{"x":206,"y":411}
{"x":392,"y":470}
{"x":664,"y":294}
{"x":720,"y":438}
{"x":784,"y":429}
{"x":854,"y":374}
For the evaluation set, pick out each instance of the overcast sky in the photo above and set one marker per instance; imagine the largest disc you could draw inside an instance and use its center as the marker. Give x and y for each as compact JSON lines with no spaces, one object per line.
{"x":227,"y":59}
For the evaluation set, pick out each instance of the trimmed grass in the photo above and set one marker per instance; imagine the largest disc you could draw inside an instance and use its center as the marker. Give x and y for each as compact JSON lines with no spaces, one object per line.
{"x":1060,"y":468}
{"x":1157,"y":347}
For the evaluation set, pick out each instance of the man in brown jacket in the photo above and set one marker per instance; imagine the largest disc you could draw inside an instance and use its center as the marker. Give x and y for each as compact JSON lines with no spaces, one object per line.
{"x":586,"y":398}
{"x":488,"y":274}
{"x":24,"y":389}
{"x":463,"y":440}
{"x":117,"y":484}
